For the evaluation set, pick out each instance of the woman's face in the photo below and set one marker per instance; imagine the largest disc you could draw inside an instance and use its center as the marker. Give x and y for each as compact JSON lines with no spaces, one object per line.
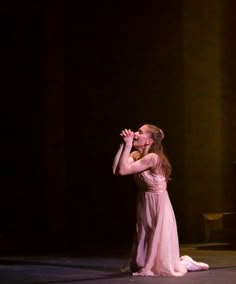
{"x":142,"y":137}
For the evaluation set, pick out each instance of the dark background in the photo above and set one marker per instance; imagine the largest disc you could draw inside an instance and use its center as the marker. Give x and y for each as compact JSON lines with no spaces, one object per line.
{"x":74,"y":75}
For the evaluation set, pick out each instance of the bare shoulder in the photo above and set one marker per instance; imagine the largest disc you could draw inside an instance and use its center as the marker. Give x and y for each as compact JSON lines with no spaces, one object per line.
{"x":154,"y":160}
{"x":153,"y":156}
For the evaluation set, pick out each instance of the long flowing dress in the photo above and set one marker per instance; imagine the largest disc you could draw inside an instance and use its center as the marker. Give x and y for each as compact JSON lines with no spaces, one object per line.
{"x":155,"y":249}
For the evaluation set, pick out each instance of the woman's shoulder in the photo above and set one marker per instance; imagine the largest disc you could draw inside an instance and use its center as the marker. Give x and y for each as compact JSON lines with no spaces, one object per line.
{"x":154,"y":156}
{"x":155,"y":162}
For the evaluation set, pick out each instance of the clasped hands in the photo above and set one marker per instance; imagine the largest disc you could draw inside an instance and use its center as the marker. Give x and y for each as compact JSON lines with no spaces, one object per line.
{"x":128,"y":136}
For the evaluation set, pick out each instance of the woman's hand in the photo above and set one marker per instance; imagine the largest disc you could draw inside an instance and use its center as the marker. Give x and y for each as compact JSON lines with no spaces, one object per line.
{"x":127,"y":136}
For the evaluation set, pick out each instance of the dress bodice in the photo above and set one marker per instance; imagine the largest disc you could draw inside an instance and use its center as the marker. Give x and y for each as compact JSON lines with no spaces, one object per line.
{"x":149,"y":181}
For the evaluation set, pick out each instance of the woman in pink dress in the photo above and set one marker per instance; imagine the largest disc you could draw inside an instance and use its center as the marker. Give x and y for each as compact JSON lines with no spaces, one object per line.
{"x":155,"y":249}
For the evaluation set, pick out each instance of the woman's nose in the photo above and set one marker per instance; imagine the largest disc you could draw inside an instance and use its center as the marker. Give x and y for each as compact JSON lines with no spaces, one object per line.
{"x":135,"y":135}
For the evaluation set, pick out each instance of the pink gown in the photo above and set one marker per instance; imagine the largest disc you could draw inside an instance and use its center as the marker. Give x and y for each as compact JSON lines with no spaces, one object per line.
{"x":155,"y":250}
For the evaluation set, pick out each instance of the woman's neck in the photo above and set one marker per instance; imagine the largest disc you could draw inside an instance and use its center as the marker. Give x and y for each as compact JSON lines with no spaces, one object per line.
{"x":143,"y":152}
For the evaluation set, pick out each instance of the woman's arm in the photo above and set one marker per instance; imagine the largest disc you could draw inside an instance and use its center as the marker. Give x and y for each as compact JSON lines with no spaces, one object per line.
{"x":116,"y":161}
{"x":147,"y":162}
{"x":117,"y":158}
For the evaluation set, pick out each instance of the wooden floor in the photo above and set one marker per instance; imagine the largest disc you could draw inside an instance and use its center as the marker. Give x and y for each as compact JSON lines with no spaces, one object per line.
{"x":102,"y":267}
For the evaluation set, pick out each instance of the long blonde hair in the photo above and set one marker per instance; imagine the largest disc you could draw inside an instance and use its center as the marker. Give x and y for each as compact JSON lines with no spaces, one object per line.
{"x":157,"y":136}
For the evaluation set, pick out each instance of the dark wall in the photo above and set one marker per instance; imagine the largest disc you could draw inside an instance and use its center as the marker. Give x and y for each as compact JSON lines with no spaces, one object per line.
{"x":69,"y":88}
{"x":228,"y":104}
{"x":21,"y":89}
{"x":123,"y":67}
{"x":120,"y":63}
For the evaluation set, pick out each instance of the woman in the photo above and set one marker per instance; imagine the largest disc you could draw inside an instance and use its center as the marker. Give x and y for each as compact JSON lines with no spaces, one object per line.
{"x":155,"y":250}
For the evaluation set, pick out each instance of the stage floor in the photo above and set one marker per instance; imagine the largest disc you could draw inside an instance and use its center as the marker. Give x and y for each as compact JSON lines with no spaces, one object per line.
{"x":103,"y":267}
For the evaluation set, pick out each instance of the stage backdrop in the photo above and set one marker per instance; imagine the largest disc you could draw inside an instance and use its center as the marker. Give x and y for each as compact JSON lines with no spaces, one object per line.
{"x":74,"y":76}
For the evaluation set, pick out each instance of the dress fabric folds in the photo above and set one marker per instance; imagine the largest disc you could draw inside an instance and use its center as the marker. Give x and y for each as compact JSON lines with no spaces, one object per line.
{"x":155,"y":249}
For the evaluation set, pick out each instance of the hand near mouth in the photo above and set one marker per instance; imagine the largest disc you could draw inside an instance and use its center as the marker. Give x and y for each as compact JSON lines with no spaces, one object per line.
{"x":127,"y":135}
